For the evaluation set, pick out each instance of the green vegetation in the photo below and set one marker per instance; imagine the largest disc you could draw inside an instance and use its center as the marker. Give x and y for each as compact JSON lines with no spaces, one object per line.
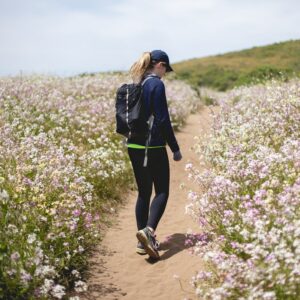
{"x":222,"y":72}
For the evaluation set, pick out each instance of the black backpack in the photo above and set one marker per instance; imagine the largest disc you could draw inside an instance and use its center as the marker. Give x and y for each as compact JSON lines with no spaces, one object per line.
{"x":130,"y":111}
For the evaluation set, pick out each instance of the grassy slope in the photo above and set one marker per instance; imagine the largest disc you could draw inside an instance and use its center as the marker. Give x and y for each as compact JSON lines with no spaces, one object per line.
{"x":241,"y":67}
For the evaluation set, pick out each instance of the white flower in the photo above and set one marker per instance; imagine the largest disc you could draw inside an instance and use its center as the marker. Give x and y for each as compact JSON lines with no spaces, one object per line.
{"x":58,"y":291}
{"x":296,"y":243}
{"x":269,"y":296}
{"x":15,"y":256}
{"x":188,"y":166}
{"x":48,"y":283}
{"x":31,"y":238}
{"x":76,"y":273}
{"x":25,"y":277}
{"x":245,"y":233}
{"x":11,"y":272}
{"x":13,"y":228}
{"x":198,"y":291}
{"x":4,"y":196}
{"x":80,"y":286}
{"x":192,"y":196}
{"x":62,"y":234}
{"x":52,"y":212}
{"x":45,"y":271}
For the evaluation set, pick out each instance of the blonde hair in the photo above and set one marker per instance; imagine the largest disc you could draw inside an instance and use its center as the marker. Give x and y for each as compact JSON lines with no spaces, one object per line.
{"x":140,"y":67}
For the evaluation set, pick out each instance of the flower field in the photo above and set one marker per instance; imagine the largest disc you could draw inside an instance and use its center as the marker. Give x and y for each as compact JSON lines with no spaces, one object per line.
{"x":62,"y":170}
{"x":248,"y":202}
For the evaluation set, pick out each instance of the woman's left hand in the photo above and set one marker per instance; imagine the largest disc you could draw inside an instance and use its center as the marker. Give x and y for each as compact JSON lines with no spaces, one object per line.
{"x":177,"y":155}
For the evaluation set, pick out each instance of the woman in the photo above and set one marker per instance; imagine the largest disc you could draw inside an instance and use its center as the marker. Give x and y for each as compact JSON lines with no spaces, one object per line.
{"x":149,"y":69}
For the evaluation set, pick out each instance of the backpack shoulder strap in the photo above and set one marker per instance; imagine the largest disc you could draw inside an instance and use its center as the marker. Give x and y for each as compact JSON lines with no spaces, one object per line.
{"x":148,"y":77}
{"x":151,"y":100}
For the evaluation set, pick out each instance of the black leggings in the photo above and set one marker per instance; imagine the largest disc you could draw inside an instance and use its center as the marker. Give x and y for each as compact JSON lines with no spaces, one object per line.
{"x":157,"y":172}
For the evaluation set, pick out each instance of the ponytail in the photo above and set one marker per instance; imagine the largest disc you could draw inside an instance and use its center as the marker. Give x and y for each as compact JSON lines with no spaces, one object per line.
{"x":140,"y":67}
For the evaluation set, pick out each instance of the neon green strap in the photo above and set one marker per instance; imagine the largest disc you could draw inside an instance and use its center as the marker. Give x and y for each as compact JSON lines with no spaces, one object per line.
{"x":136,"y":146}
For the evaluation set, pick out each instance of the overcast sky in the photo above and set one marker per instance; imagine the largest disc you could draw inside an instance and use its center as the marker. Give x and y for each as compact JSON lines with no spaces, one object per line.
{"x":66,"y":37}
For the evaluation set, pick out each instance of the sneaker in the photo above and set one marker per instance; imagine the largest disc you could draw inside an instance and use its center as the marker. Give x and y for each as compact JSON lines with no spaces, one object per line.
{"x":140,"y":249}
{"x":149,"y":242}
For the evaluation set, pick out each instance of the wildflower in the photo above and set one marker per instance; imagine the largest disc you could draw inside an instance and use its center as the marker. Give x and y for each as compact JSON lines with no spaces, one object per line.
{"x":76,"y":213}
{"x":75,"y":273}
{"x":46,"y":287}
{"x":62,"y":234}
{"x":269,"y":296}
{"x":188,"y":166}
{"x":192,"y":196}
{"x":31,"y":238}
{"x":4,"y":196}
{"x":80,"y":286}
{"x":25,"y":277}
{"x":15,"y":256}
{"x":204,"y":275}
{"x":228,"y":213}
{"x":58,"y":291}
{"x":11,"y":272}
{"x":88,"y":218}
{"x":198,"y":291}
{"x":45,"y":270}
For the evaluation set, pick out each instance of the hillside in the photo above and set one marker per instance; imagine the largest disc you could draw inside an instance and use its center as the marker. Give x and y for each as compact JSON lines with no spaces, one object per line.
{"x":231,"y":69}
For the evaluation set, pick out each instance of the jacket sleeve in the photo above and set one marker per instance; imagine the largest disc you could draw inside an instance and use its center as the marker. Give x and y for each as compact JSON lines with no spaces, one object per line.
{"x":162,"y":116}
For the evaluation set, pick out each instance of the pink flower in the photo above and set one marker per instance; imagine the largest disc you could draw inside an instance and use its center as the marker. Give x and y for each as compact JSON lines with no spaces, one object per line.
{"x":88,"y":218}
{"x":15,"y":256}
{"x":76,"y":212}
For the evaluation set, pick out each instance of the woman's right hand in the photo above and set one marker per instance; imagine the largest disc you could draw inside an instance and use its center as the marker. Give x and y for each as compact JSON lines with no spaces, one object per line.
{"x":177,"y":155}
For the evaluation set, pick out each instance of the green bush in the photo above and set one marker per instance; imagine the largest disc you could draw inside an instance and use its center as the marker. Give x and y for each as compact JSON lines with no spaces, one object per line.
{"x":264,"y":73}
{"x":223,"y":79}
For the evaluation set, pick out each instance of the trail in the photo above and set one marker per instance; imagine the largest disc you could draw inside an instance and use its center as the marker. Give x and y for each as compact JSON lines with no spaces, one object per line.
{"x":117,"y":272}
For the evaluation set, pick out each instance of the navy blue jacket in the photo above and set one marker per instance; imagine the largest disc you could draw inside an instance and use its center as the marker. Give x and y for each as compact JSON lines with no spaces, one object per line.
{"x":162,"y":131}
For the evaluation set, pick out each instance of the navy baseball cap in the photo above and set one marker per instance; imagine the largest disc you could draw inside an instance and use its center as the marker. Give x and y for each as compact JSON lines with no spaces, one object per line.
{"x":159,"y":55}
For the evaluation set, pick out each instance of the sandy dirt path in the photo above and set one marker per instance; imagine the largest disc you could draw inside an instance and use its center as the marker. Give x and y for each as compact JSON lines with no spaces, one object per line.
{"x":117,"y":272}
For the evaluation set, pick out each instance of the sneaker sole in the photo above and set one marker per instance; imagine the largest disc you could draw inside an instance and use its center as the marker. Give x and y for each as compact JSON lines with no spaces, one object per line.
{"x":140,"y":251}
{"x":141,"y":236}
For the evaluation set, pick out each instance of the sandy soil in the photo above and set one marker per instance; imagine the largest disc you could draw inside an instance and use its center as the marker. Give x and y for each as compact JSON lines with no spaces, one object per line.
{"x":117,"y":272}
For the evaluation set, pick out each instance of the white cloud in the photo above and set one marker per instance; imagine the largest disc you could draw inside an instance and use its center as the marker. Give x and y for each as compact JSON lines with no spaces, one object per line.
{"x":75,"y":36}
